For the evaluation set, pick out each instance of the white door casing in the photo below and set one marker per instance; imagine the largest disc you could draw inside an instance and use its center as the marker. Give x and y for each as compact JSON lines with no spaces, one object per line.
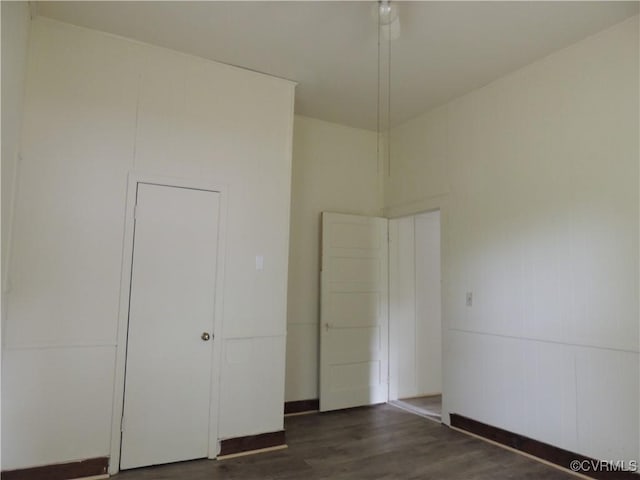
{"x":354,"y":311}
{"x":166,"y":414}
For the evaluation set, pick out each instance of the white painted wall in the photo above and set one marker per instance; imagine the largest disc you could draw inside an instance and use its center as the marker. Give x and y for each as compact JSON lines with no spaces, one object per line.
{"x":415,"y":342}
{"x":428,"y":331}
{"x":335,"y":170}
{"x":537,"y":178}
{"x":96,"y":108}
{"x":402,"y":308}
{"x":15,"y":43}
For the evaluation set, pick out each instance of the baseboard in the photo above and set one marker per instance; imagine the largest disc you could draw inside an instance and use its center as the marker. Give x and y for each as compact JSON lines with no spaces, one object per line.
{"x":300,"y":406}
{"x":549,"y":453}
{"x":262,"y":441}
{"x":90,"y":467}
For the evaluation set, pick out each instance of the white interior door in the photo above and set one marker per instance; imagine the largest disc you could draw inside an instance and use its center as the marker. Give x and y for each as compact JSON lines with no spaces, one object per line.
{"x":354,"y":317}
{"x":171,"y":313}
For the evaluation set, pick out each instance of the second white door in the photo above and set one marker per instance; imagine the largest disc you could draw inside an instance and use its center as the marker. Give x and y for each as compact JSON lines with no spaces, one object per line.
{"x":353,"y":312}
{"x":170,"y":333}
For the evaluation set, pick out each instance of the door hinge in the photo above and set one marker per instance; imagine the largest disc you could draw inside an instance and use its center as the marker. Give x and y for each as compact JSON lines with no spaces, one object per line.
{"x":122,"y":424}
{"x":135,"y":212}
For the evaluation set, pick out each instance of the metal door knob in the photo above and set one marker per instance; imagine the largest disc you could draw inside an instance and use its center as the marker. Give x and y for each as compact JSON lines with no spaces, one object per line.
{"x":205,"y":336}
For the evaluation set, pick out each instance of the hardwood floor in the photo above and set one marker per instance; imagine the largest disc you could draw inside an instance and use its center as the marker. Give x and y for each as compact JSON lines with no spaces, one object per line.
{"x":372,"y":443}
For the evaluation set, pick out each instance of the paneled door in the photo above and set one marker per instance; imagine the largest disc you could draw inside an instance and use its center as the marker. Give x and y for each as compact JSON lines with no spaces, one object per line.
{"x":353,"y":311}
{"x":171,"y":317}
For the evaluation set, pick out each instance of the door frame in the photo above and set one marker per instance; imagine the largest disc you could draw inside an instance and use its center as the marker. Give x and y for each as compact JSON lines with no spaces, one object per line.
{"x":393,"y":381}
{"x":133,"y":179}
{"x":428,"y":205}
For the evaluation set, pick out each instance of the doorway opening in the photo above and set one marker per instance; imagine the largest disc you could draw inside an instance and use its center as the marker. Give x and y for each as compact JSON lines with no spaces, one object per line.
{"x":415,"y":324}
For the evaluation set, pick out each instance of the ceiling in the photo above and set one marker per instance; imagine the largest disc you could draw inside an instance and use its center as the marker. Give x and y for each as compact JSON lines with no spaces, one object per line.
{"x":331,"y":48}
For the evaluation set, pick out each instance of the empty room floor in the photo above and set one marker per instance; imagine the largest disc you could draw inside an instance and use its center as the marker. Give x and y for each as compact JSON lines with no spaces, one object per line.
{"x":381,"y":442}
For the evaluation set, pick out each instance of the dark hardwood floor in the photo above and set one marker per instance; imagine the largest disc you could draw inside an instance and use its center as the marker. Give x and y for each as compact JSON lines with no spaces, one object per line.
{"x":372,"y":443}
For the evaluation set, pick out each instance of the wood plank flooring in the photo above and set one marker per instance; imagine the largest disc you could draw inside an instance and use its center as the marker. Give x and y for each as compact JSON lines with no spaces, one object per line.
{"x":372,"y":443}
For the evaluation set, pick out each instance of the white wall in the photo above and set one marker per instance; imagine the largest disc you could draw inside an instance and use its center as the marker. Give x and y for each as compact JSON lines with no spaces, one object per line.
{"x":537,"y":178}
{"x":415,"y":336}
{"x":402,"y":308}
{"x":335,"y":170}
{"x":96,"y":108}
{"x":15,"y":42}
{"x":428,"y":331}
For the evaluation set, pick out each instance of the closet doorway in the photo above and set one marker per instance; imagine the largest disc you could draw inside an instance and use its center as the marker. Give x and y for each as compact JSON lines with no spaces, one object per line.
{"x":169,"y":361}
{"x":415,"y":323}
{"x":171,"y":293}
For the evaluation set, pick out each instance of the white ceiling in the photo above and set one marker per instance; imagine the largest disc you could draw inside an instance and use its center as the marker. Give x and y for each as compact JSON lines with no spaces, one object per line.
{"x":445,"y":48}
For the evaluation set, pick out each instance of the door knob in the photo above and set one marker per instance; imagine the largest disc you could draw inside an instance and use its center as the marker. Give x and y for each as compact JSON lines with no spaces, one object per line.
{"x":205,"y":336}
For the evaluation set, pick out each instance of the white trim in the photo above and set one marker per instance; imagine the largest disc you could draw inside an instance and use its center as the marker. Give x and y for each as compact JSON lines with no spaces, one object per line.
{"x":134,"y":178}
{"x":214,"y":408}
